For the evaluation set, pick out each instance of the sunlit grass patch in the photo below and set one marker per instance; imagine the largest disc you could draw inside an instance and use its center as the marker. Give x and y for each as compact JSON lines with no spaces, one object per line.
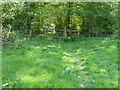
{"x":84,"y":63}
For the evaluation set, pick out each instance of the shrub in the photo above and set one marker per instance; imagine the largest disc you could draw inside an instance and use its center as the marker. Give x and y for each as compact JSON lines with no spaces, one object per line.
{"x":12,"y":38}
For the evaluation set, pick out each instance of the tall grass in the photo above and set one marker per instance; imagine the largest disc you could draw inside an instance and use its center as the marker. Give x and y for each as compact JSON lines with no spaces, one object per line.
{"x":79,"y":63}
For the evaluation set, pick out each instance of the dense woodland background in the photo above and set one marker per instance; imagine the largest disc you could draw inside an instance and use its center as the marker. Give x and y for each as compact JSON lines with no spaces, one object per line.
{"x":29,"y":19}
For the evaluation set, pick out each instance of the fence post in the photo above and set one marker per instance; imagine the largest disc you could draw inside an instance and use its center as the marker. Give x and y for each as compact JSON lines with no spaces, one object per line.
{"x":65,"y":33}
{"x":45,"y":32}
{"x":78,"y":33}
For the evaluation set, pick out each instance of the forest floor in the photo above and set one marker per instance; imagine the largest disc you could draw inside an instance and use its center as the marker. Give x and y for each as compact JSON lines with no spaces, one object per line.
{"x":80,"y":63}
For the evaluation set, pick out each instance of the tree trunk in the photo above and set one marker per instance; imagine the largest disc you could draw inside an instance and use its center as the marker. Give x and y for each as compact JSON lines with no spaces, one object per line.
{"x":68,"y":16}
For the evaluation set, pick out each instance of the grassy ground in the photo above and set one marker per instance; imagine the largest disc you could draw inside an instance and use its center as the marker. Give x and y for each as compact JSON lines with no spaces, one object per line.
{"x":81,"y":63}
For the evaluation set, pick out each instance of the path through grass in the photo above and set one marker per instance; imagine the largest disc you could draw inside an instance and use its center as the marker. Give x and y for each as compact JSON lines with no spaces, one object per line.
{"x":82,"y":63}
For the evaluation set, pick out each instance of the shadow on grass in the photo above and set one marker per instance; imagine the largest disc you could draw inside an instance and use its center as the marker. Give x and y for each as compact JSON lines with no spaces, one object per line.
{"x":78,"y":64}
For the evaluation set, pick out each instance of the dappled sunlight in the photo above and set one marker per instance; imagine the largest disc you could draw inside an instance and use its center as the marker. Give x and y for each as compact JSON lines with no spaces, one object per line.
{"x":31,"y":54}
{"x":39,"y":60}
{"x":85,"y":64}
{"x":84,"y":58}
{"x":113,"y":48}
{"x":53,"y":53}
{"x":69,"y":59}
{"x":103,"y":71}
{"x":49,"y":47}
{"x":67,"y":54}
{"x":32,"y":79}
{"x":37,"y":48}
{"x":78,"y":51}
{"x":28,"y":79}
{"x":94,"y":67}
{"x":81,"y":67}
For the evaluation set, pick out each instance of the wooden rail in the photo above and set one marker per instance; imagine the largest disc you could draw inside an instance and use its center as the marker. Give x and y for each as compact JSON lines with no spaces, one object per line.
{"x":63,"y":32}
{"x":49,"y":30}
{"x":67,"y":30}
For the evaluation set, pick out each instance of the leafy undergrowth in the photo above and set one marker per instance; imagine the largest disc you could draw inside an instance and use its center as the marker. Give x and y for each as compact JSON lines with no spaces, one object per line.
{"x":42,"y":63}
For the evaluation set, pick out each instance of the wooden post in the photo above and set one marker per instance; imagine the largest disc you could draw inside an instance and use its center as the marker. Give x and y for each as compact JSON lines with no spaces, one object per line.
{"x":78,"y":33}
{"x":45,"y":32}
{"x":65,"y":33}
{"x":30,"y":32}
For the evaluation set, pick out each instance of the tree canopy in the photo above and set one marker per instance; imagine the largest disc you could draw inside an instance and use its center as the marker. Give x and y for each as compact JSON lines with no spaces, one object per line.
{"x":31,"y":18}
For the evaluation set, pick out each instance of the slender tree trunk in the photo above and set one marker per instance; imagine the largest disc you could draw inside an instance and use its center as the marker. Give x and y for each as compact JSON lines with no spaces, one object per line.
{"x":68,"y":16}
{"x":65,"y":33}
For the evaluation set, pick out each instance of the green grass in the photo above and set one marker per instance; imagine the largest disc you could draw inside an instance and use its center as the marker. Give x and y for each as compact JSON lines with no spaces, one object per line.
{"x":81,"y":63}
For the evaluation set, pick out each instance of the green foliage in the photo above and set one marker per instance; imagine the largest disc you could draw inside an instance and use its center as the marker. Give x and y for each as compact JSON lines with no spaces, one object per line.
{"x":91,"y":18}
{"x":13,"y":39}
{"x":53,"y":64}
{"x":8,"y":37}
{"x":33,"y":61}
